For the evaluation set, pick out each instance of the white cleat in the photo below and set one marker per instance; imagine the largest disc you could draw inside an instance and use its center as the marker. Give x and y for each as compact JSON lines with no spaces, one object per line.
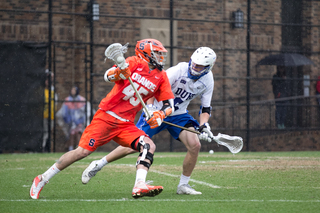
{"x":37,"y":185}
{"x":187,"y":190}
{"x":90,"y":172}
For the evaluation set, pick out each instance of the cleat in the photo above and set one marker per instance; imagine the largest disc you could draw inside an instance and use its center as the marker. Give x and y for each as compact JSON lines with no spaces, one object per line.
{"x":90,"y":172}
{"x":187,"y":190}
{"x":142,"y":189}
{"x":37,"y":185}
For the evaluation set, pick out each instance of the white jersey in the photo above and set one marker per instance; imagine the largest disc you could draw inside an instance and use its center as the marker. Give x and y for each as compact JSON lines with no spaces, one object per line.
{"x":186,"y":89}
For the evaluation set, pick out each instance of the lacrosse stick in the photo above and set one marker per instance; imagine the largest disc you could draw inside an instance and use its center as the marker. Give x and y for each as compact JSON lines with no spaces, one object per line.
{"x":233,"y":143}
{"x":115,"y":52}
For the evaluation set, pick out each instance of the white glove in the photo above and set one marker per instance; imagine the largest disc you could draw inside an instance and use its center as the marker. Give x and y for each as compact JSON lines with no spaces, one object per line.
{"x":151,"y":109}
{"x":206,"y":133}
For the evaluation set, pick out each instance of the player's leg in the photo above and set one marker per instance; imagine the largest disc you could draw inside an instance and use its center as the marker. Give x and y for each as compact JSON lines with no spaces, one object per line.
{"x":96,"y":166}
{"x":95,"y":135}
{"x":192,"y":143}
{"x":119,"y":152}
{"x":64,"y":161}
{"x":144,"y":161}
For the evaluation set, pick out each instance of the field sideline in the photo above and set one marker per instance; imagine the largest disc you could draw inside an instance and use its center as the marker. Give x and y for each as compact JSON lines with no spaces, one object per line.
{"x":245,"y":182}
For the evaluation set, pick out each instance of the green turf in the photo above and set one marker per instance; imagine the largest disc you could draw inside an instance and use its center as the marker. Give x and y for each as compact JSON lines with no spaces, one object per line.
{"x":245,"y":182}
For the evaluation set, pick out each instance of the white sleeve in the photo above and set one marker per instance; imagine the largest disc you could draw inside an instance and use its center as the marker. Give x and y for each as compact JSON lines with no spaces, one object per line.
{"x":207,"y":95}
{"x":173,"y":73}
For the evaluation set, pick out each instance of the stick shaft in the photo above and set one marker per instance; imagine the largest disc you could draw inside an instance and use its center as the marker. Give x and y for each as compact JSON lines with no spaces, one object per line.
{"x":139,"y":97}
{"x":182,"y":127}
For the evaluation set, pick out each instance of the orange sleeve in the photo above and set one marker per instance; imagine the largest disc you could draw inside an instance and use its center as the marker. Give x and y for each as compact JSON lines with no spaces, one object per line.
{"x":165,"y":92}
{"x":132,"y":63}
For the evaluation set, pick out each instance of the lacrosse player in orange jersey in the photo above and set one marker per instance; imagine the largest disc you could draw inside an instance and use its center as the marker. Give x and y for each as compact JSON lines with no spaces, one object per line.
{"x":115,"y":118}
{"x":188,"y":81}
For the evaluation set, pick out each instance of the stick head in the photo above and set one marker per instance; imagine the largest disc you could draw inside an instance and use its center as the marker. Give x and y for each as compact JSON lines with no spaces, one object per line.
{"x":233,"y":143}
{"x":115,"y":52}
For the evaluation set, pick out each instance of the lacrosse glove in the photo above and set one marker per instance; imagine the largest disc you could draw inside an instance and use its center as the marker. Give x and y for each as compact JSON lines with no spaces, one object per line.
{"x":116,"y":74}
{"x":156,"y":119}
{"x":206,"y":133}
{"x":151,"y":109}
{"x":158,"y":116}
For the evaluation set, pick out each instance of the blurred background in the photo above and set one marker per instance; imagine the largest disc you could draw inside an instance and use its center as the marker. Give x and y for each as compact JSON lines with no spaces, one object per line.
{"x":47,"y":47}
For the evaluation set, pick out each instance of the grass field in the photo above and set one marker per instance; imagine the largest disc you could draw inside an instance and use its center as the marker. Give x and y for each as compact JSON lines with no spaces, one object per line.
{"x":245,"y":182}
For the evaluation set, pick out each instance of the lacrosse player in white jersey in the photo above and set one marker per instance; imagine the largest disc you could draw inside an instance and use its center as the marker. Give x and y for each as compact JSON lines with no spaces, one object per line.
{"x":188,"y":80}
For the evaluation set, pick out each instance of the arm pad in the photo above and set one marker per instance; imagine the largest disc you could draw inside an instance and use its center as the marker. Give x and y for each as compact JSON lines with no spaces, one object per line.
{"x":167,"y":108}
{"x":205,"y":109}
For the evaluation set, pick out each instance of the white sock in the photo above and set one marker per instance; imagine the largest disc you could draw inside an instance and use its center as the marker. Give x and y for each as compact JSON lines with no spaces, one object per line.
{"x":141,"y":175}
{"x":52,"y":171}
{"x":102,"y":162}
{"x":184,"y":180}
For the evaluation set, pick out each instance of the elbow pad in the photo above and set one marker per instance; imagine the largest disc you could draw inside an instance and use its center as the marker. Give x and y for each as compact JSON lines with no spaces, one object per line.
{"x":108,"y":73}
{"x":205,"y":109}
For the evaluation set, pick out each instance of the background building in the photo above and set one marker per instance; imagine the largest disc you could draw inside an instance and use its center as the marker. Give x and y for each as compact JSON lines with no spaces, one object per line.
{"x":75,"y":34}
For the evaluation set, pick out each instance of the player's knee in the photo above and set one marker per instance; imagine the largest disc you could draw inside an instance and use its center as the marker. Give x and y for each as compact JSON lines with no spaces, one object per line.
{"x":152,"y":146}
{"x":82,"y":153}
{"x":139,"y":143}
{"x":195,"y":146}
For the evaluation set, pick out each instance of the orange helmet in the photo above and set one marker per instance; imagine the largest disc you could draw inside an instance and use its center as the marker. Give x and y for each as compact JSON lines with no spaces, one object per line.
{"x":152,"y":51}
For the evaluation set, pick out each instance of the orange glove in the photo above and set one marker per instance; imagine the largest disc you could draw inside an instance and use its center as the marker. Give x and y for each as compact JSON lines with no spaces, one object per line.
{"x":124,"y":74}
{"x":156,"y":119}
{"x":117,"y":74}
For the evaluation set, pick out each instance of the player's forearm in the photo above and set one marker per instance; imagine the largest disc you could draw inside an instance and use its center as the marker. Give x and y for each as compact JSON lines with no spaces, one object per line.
{"x":204,"y":118}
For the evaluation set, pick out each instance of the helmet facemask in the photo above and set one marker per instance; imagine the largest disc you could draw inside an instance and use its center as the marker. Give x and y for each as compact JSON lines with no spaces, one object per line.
{"x":159,"y":57}
{"x":201,"y":62}
{"x":197,"y":69}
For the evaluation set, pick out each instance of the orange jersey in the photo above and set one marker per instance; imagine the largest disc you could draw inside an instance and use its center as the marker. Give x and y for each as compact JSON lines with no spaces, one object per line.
{"x":149,"y":83}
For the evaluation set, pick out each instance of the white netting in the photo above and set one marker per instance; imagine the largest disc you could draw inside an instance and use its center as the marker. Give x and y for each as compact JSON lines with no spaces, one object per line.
{"x":115,"y":50}
{"x":233,"y":143}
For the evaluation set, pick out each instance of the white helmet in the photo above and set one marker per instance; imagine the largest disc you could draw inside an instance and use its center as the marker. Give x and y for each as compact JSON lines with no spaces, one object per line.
{"x":201,"y":62}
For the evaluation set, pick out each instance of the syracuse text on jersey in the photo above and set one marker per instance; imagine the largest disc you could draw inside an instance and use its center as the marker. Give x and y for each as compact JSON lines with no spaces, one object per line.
{"x":143,"y":81}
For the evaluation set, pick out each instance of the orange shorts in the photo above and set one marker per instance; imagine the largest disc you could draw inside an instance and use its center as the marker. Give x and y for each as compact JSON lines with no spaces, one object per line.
{"x":104,"y":128}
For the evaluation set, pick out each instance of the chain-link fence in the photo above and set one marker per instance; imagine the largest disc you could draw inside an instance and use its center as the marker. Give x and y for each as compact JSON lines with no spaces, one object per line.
{"x":241,"y":34}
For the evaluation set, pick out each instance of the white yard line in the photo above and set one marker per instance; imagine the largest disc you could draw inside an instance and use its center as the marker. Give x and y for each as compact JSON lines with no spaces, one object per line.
{"x":158,"y":200}
{"x":192,"y":180}
{"x":172,"y":175}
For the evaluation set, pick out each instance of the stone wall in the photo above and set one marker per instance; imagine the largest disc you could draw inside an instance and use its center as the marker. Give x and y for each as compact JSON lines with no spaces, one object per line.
{"x":199,"y":23}
{"x":288,"y":141}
